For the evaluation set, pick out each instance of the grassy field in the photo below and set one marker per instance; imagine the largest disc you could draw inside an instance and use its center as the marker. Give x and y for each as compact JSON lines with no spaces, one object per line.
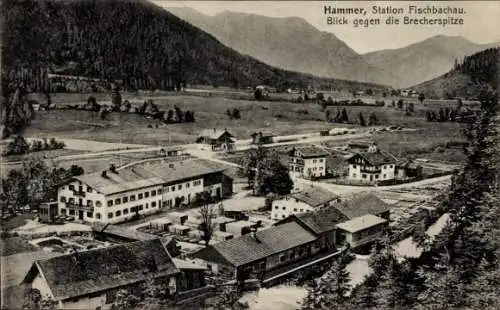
{"x":280,"y":117}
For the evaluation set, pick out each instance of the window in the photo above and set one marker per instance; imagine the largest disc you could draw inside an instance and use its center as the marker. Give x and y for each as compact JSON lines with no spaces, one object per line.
{"x":173,"y":188}
{"x":376,"y":176}
{"x":118,"y":201}
{"x":276,"y":216}
{"x":158,"y":191}
{"x":363,"y":176}
{"x":390,"y":166}
{"x":140,"y":196}
{"x":153,"y":204}
{"x":282,"y":258}
{"x":125,"y":211}
{"x":385,"y":167}
{"x":188,"y":185}
{"x":89,"y":189}
{"x":72,"y":200}
{"x":98,"y":204}
{"x":71,"y":187}
{"x":314,"y":160}
{"x":353,"y":166}
{"x":90,"y":214}
{"x":197,"y":182}
{"x":63,"y":211}
{"x":301,"y":210}
{"x":277,"y":207}
{"x":118,"y":213}
{"x":63,"y":199}
{"x":125,"y":199}
{"x":284,"y":208}
{"x":147,"y":205}
{"x":132,"y":197}
{"x":110,"y":203}
{"x":133,"y":209}
{"x":354,"y":175}
{"x":283,"y":216}
{"x":98,"y":216}
{"x":294,"y":209}
{"x":71,"y":212}
{"x":179,"y":187}
{"x":146,"y":194}
{"x":167,"y":189}
{"x":384,"y":176}
{"x":110,"y":215}
{"x":141,"y":207}
{"x":153,"y":193}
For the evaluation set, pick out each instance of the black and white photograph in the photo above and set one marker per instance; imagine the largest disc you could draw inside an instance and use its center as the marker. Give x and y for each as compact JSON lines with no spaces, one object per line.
{"x":259,"y":155}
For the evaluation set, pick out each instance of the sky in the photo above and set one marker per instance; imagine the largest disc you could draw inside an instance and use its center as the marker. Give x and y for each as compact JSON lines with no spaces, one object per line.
{"x":480,"y":20}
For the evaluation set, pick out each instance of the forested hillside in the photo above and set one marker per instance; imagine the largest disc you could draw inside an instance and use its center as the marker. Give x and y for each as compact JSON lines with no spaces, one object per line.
{"x":466,"y":79}
{"x":130,"y":40}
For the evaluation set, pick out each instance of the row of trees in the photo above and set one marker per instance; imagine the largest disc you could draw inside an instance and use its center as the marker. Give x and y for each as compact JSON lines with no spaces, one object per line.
{"x":34,"y":182}
{"x":460,"y":267}
{"x":19,"y":146}
{"x":342,"y":117}
{"x":16,"y":111}
{"x":233,"y":114}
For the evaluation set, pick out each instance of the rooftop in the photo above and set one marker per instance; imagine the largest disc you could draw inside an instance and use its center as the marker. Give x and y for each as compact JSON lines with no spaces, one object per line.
{"x":361,"y":223}
{"x":314,"y":196}
{"x":147,"y":175}
{"x":86,"y":272}
{"x":131,"y":234}
{"x":246,"y":249}
{"x":376,"y":158}
{"x":215,"y":133}
{"x":361,"y":205}
{"x":321,"y":221}
{"x":308,"y":152}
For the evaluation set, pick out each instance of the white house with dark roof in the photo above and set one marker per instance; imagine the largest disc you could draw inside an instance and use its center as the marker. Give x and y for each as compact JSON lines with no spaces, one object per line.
{"x":91,"y":279}
{"x":371,"y":166}
{"x":307,"y":162}
{"x":117,"y":195}
{"x":310,"y":199}
{"x":361,"y":230}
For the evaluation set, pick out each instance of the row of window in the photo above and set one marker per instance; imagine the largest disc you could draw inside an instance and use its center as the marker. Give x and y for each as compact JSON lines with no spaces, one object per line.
{"x":139,"y":196}
{"x":384,"y":167}
{"x":364,"y":176}
{"x":284,"y":208}
{"x":318,"y":160}
{"x":80,"y":188}
{"x":90,"y":203}
{"x":118,"y":213}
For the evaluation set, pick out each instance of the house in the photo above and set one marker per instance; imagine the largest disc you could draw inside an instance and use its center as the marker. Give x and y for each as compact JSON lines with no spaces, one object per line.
{"x":361,"y":230}
{"x":262,"y":137}
{"x":216,"y":140}
{"x":359,"y":145}
{"x":307,"y":162}
{"x":264,"y":254}
{"x":371,"y":166}
{"x":48,"y":211}
{"x":118,"y":195}
{"x":361,"y":205}
{"x":91,"y":279}
{"x":192,"y":276}
{"x":307,"y":200}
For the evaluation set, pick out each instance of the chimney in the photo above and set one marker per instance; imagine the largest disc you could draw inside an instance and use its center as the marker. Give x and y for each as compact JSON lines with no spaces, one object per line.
{"x":104,"y":174}
{"x":253,"y":233}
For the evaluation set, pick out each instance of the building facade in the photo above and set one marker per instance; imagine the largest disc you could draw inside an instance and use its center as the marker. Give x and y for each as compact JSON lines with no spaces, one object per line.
{"x":307,"y":162}
{"x":216,"y":140}
{"x":362,"y":230}
{"x":307,"y":200}
{"x":371,"y":166}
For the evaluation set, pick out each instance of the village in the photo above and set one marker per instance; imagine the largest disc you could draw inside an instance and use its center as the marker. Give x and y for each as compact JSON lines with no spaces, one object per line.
{"x":192,"y":203}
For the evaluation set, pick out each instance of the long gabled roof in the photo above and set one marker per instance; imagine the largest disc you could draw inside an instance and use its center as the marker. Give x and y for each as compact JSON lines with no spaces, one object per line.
{"x":101,"y":269}
{"x":147,"y":175}
{"x":308,"y":152}
{"x":322,"y":220}
{"x":361,"y":223}
{"x":361,"y":205}
{"x":215,"y":133}
{"x":247,"y":249}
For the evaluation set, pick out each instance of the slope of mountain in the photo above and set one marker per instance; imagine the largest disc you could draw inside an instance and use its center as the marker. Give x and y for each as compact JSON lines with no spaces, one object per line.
{"x":424,"y":60}
{"x":288,"y":43}
{"x":467,"y":79}
{"x":130,"y":40}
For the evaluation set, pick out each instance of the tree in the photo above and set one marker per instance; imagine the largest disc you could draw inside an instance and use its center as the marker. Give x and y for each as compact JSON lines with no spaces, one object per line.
{"x":344,"y":118}
{"x":229,"y":113}
{"x":33,"y":300}
{"x":207,"y":214}
{"x":327,"y":115}
{"x":17,"y":146}
{"x":228,"y":298}
{"x":400,"y":104}
{"x":179,"y":116}
{"x":258,"y":93}
{"x":330,"y":290}
{"x":372,"y":119}
{"x":320,"y":97}
{"x":170,"y":116}
{"x":421,"y":97}
{"x":361,"y":118}
{"x":116,"y":98}
{"x":236,"y":113}
{"x":411,"y":107}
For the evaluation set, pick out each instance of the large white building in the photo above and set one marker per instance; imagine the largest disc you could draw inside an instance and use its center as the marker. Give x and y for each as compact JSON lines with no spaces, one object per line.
{"x":371,"y":166}
{"x":307,"y":162}
{"x":114,"y":196}
{"x":308,"y":200}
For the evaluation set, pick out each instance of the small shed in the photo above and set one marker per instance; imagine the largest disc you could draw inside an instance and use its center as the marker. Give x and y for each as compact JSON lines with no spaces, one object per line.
{"x":178,"y":229}
{"x":222,"y":235}
{"x":177,"y":217}
{"x":161,"y":223}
